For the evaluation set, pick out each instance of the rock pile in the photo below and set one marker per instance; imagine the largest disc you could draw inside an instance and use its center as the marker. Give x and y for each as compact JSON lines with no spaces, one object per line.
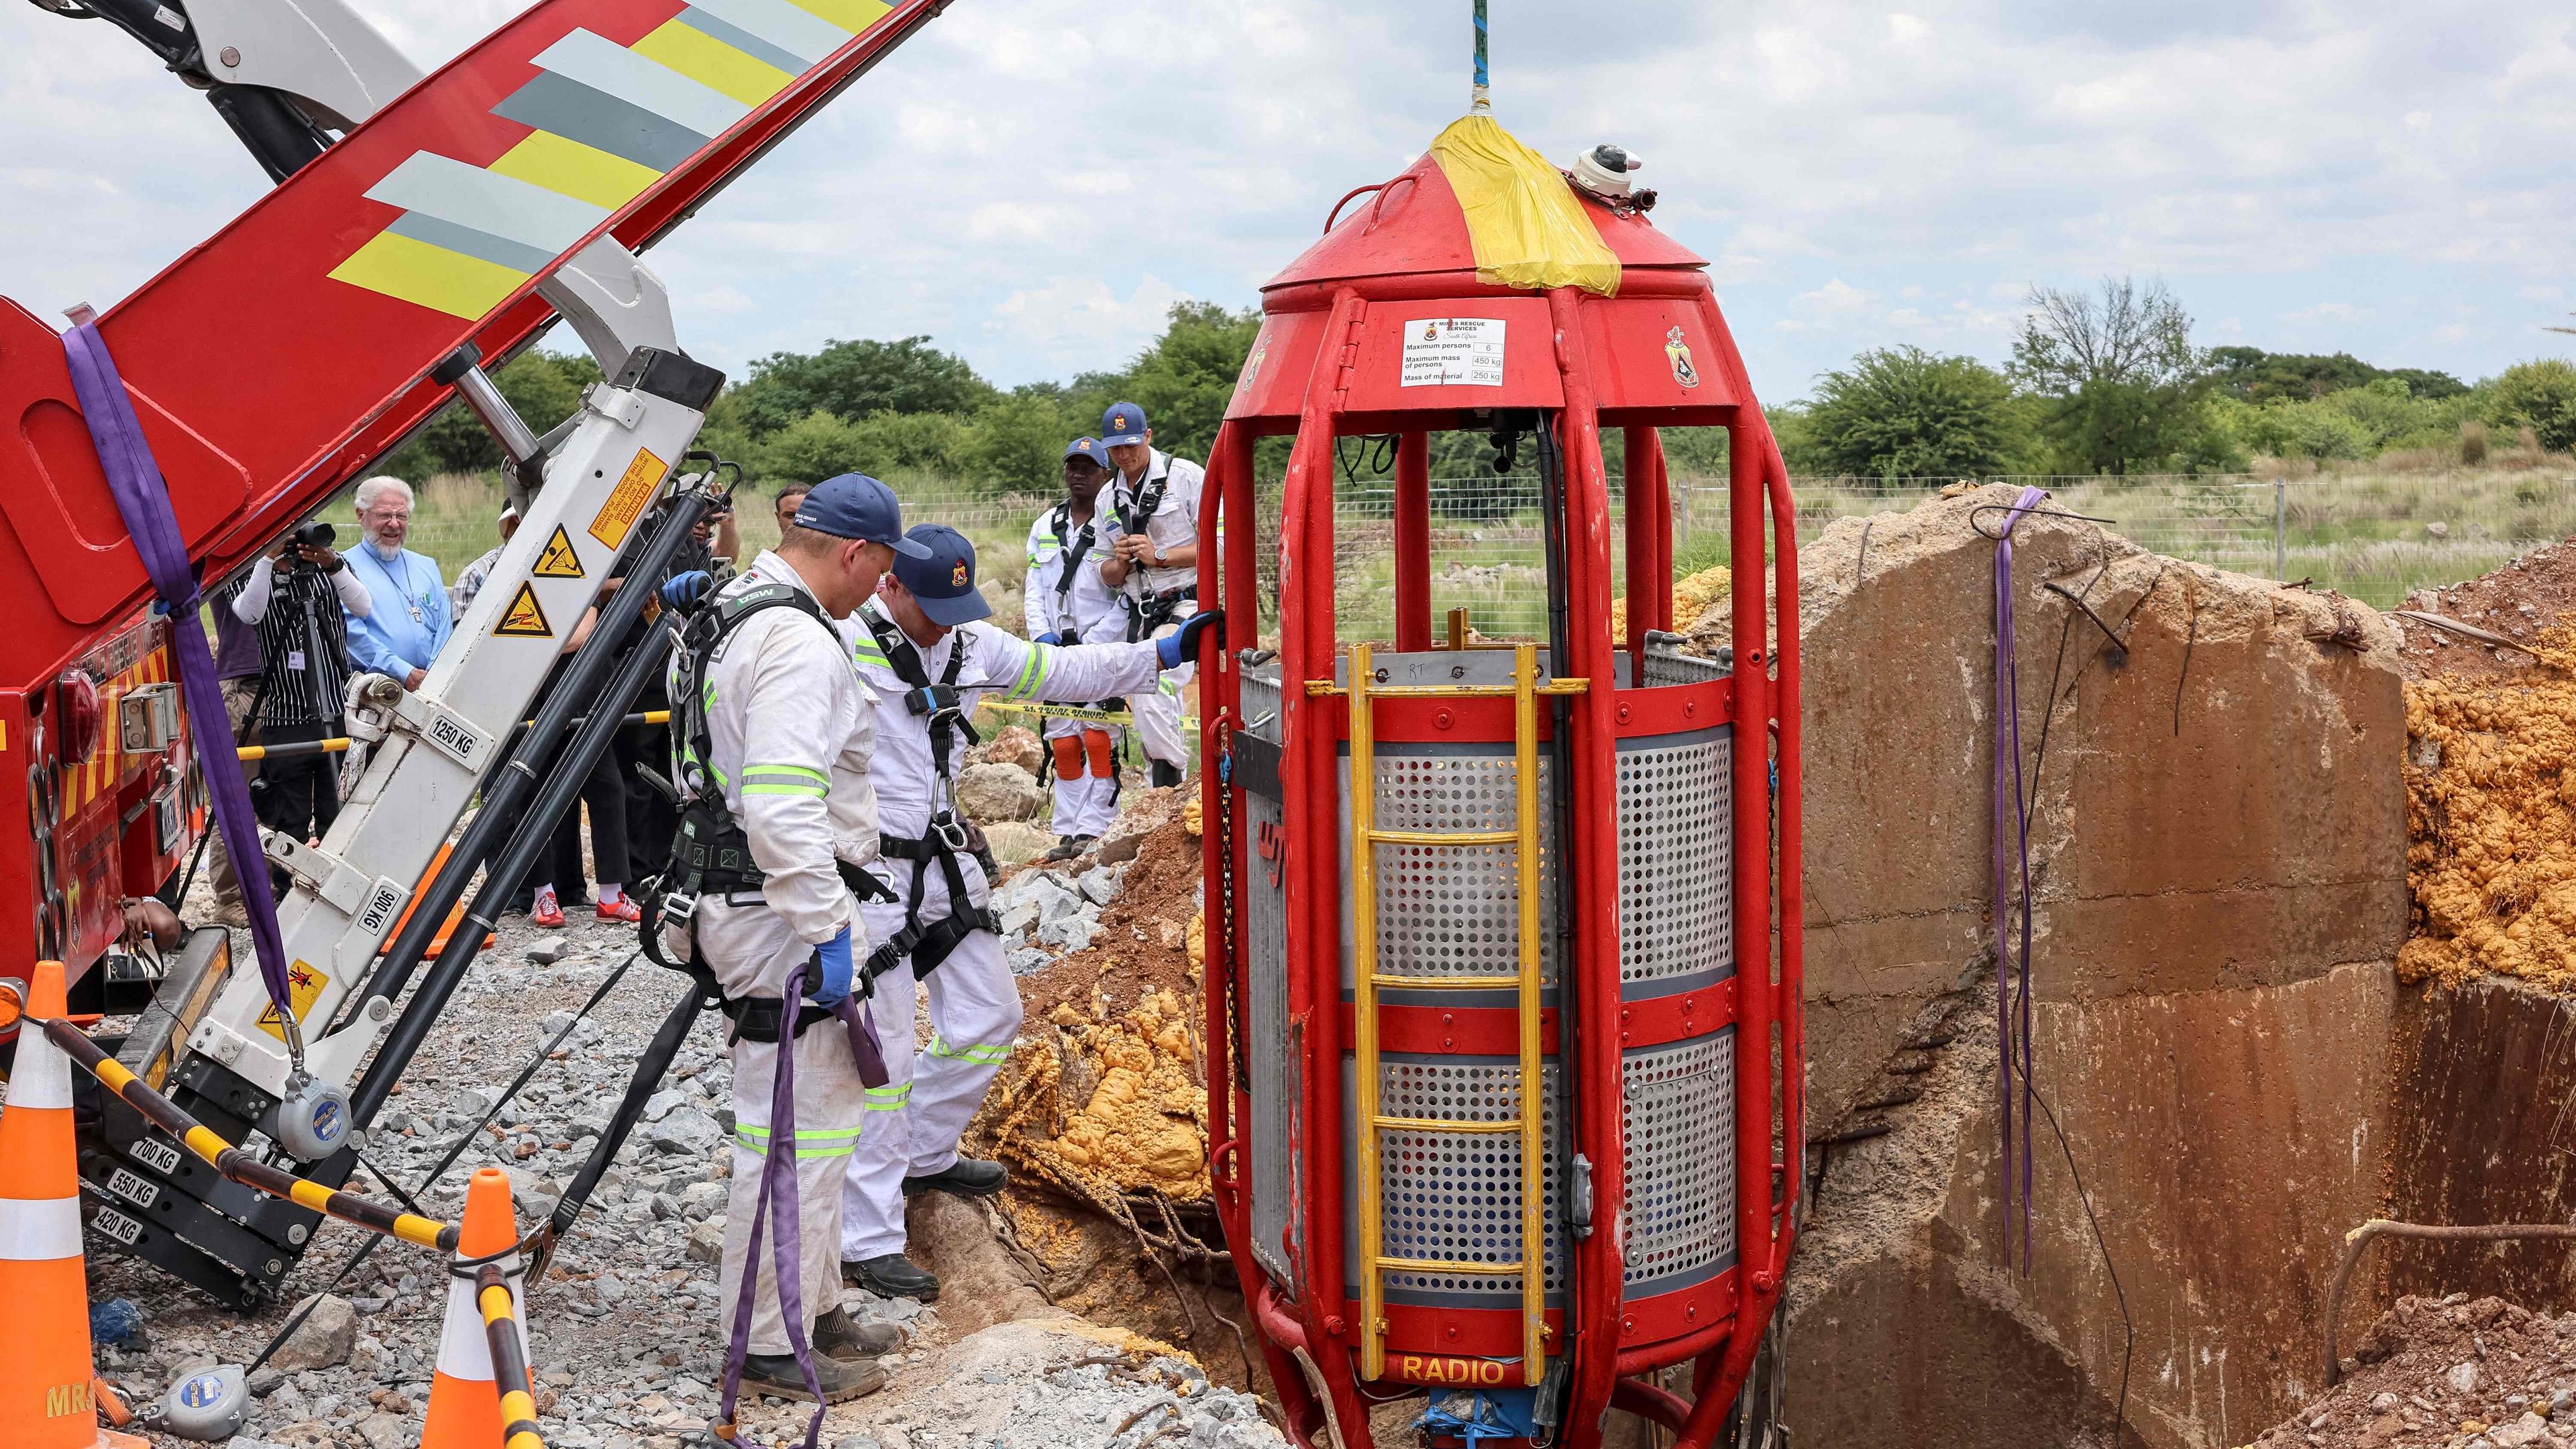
{"x":2462,"y":1374}
{"x":625,"y":1322}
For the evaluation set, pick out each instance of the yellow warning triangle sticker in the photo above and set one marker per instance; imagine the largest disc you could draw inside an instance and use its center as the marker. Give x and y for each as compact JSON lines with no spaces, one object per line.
{"x":558,"y":561}
{"x":524,"y":619}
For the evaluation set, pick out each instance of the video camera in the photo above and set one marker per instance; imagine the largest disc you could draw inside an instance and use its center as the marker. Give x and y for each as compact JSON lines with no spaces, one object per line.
{"x":312,"y":533}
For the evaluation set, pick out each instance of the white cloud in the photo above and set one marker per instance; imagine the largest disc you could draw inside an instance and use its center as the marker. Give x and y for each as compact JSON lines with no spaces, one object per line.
{"x":1080,"y":322}
{"x":1030,"y":185}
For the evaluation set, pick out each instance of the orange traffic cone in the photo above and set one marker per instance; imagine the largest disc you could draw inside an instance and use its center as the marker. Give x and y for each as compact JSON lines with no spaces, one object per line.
{"x":46,"y":1400}
{"x":464,"y":1407}
{"x":455,"y":913}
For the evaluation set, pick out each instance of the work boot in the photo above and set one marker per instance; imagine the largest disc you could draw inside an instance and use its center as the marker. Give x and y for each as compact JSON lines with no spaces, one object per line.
{"x":1072,"y":846}
{"x":838,"y":1334}
{"x":777,"y":1375}
{"x":966,"y":1177}
{"x":892,"y":1276}
{"x":1163,"y":774}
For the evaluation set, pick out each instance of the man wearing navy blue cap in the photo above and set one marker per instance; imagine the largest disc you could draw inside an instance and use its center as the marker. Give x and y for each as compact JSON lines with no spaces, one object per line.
{"x":1067,"y":603}
{"x":926,"y":655}
{"x":772,"y":736}
{"x":1153,"y":561}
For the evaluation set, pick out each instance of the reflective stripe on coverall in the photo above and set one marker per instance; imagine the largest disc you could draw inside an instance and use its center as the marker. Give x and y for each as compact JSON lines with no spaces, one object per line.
{"x":1086,"y":795}
{"x":791,"y":731}
{"x":1175,"y":524}
{"x":974,"y":1003}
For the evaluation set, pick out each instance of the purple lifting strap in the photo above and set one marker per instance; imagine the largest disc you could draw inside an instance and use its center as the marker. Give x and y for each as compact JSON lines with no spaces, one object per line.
{"x":854,"y":1015}
{"x":2012,"y":824}
{"x":778,"y":1204}
{"x":144,"y":500}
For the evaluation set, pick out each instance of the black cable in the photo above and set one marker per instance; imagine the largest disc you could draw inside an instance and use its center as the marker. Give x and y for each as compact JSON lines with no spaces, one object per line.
{"x":2101,"y":1244}
{"x":455,"y":1150}
{"x":1376,"y":455}
{"x":2128,"y":1325}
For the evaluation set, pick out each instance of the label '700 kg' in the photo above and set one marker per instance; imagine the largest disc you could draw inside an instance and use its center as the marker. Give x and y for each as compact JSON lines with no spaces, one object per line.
{"x":160,"y":1156}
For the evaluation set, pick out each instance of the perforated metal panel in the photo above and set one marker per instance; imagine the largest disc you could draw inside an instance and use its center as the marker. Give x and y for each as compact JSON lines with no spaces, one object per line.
{"x":1457,"y":1195}
{"x":1258,"y":692}
{"x":1679,"y":1130}
{"x":1453,"y":910}
{"x":1676,"y":858}
{"x":1273,"y":1075}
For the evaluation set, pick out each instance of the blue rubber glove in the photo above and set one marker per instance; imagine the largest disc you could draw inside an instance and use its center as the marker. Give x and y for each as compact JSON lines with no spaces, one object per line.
{"x":1183,"y":643}
{"x":1052,"y":641}
{"x":833,"y":958}
{"x":684,"y":591}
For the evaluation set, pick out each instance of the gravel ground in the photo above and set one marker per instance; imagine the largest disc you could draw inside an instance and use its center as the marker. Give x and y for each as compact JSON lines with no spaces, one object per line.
{"x":2534,"y":593}
{"x":2450,"y":1373}
{"x":624,"y":1330}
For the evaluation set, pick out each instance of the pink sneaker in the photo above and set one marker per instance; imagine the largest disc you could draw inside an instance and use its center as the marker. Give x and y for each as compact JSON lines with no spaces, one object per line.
{"x":544,"y":911}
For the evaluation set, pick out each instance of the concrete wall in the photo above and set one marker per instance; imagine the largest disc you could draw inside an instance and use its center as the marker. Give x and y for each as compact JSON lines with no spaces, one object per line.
{"x":2481,"y":1131}
{"x":2218,"y":850}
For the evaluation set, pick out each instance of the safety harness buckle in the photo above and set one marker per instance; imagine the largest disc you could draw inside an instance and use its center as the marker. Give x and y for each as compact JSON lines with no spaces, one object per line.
{"x":951,"y":831}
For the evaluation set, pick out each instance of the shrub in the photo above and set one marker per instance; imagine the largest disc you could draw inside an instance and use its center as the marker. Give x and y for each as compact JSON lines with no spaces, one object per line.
{"x":2541,"y":397}
{"x":1902,"y":412}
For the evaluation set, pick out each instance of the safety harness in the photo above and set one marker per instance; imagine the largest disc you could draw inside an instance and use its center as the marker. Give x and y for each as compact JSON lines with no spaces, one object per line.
{"x":1148,"y":610}
{"x":710,"y":853}
{"x":950,"y":837}
{"x":1072,"y":550}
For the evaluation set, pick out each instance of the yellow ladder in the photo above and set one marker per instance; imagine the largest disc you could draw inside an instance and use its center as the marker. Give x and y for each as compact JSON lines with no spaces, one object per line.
{"x":1524,"y":691}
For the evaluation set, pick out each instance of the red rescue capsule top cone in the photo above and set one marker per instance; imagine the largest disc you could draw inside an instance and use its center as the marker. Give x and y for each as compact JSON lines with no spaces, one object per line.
{"x":464,"y":1405}
{"x":45,"y":1371}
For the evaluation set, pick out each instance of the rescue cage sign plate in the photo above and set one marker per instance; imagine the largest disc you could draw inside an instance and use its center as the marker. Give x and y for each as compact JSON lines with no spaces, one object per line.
{"x":1453,"y":352}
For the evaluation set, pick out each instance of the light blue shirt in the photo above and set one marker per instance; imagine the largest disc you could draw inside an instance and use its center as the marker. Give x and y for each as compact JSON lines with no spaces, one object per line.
{"x":411,"y":621}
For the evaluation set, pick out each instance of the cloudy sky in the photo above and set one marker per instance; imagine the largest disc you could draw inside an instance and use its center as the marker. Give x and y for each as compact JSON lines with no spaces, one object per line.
{"x":1033,"y":182}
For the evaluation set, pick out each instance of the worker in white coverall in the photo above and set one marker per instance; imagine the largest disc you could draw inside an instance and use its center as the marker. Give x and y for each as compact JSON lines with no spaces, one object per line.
{"x":927,"y":659}
{"x":1154,"y":563}
{"x":1068,"y":603}
{"x":789,"y":731}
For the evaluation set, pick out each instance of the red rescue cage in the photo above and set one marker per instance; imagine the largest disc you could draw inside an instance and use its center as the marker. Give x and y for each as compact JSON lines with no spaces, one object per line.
{"x":1444,"y":871}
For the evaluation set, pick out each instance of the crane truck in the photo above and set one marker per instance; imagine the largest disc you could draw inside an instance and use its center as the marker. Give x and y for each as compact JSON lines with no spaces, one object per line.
{"x":420,"y":227}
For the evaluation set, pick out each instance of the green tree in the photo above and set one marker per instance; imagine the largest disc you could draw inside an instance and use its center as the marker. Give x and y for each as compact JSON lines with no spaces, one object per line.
{"x":2254,"y":375}
{"x":891,"y":442}
{"x":1902,"y":412}
{"x":2118,"y":370}
{"x":1018,"y":440}
{"x":812,"y":448}
{"x":541,"y":387}
{"x":858,"y":379}
{"x":2541,"y":396}
{"x":1184,"y":381}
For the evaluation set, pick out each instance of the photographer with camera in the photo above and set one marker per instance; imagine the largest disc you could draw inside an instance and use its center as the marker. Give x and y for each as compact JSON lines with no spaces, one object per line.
{"x":298,"y":598}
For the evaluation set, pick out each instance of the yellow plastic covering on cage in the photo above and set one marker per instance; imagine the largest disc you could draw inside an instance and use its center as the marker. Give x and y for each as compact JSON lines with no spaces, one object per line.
{"x":1526,"y":226}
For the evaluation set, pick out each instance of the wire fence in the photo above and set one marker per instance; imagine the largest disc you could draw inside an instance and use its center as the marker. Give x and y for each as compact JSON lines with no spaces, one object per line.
{"x":2373,"y":536}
